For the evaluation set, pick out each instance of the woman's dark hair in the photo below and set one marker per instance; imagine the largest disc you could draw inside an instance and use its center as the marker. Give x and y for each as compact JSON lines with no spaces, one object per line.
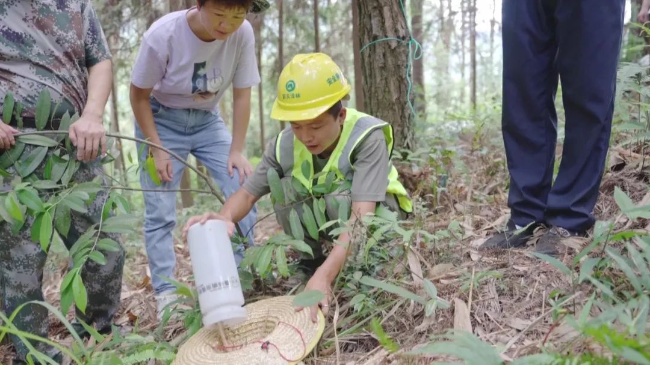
{"x":246,"y":4}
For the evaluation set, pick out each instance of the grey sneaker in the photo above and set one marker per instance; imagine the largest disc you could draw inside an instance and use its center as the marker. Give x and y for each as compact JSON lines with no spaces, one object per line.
{"x":163,"y":300}
{"x":551,"y":242}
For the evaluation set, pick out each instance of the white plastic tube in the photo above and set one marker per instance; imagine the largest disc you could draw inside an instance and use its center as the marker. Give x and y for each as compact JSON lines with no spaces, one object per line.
{"x":215,"y":273}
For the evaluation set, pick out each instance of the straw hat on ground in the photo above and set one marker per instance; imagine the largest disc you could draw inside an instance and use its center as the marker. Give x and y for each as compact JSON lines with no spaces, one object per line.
{"x":273,"y":333}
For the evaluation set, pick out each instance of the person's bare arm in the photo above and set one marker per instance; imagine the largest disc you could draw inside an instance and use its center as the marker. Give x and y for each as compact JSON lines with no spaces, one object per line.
{"x":233,"y":211}
{"x":329,"y":270}
{"x":643,"y":13}
{"x":87,"y":133}
{"x":241,"y":119}
{"x":143,"y":115}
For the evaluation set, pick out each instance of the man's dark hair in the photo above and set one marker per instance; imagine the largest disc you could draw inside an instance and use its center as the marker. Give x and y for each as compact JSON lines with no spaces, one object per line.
{"x":246,"y":4}
{"x":335,"y":109}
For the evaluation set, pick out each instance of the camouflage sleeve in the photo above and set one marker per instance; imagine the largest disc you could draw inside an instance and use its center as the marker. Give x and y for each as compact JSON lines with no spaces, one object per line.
{"x":94,"y":40}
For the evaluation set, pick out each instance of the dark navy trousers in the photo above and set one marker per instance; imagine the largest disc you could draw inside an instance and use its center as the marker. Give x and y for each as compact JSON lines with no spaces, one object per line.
{"x":577,"y":42}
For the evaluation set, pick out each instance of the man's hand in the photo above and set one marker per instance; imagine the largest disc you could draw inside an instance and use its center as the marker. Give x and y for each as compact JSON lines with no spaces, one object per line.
{"x":238,"y":161}
{"x":201,"y":219}
{"x":7,"y":139}
{"x":87,"y":134}
{"x":319,"y":282}
{"x":163,"y":165}
{"x":643,"y":13}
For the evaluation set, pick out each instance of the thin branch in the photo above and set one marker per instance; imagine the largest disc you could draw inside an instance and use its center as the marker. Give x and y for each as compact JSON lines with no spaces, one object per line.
{"x":207,"y":179}
{"x":158,"y":190}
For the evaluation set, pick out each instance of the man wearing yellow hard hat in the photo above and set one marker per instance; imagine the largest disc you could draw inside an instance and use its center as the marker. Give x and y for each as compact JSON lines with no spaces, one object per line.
{"x":325,"y":141}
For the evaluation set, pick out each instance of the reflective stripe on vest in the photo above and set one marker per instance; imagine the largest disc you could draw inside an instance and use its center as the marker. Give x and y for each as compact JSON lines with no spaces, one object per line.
{"x":290,"y":153}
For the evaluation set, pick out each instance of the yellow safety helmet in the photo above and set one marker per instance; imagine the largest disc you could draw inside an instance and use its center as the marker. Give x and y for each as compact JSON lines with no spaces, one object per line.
{"x":308,"y":86}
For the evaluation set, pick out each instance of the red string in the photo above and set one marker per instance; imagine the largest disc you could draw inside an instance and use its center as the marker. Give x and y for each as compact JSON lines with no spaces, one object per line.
{"x":269,"y":343}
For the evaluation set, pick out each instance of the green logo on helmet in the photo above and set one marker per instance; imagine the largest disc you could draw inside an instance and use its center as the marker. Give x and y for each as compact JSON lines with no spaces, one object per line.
{"x":291,"y":85}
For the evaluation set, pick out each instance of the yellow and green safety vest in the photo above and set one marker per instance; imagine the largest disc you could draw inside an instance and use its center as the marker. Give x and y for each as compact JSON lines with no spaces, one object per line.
{"x":291,"y":154}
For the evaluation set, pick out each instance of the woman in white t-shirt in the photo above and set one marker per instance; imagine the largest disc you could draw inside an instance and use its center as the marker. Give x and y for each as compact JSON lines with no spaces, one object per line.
{"x":186,"y":61}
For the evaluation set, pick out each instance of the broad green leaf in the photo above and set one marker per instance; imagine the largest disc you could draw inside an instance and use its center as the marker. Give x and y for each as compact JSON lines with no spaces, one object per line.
{"x":122,"y":204}
{"x":340,"y":230}
{"x":85,"y":241}
{"x":357,"y":299}
{"x":27,"y":165}
{"x":623,"y":201}
{"x":296,"y":227}
{"x":7,"y":108}
{"x":38,"y":140}
{"x":625,"y":267}
{"x":45,"y":236}
{"x":308,"y":298}
{"x":320,"y":189}
{"x":344,"y":210}
{"x":301,"y":246}
{"x":263,"y":263}
{"x":74,"y":203}
{"x":30,"y":198}
{"x":13,"y":207}
{"x":150,"y":163}
{"x":319,"y":213}
{"x":79,"y":293}
{"x":107,"y":244}
{"x":72,"y":168}
{"x":305,"y":168}
{"x":4,"y":173}
{"x":59,"y":165}
{"x":66,"y":298}
{"x":92,"y":331}
{"x":44,"y":185}
{"x":281,"y":261}
{"x":251,"y":255}
{"x":329,"y":180}
{"x":64,"y":125}
{"x":98,"y":257}
{"x":18,"y":110}
{"x":430,"y":289}
{"x":310,"y":222}
{"x":11,"y":156}
{"x":43,"y":108}
{"x":47,"y":171}
{"x":430,"y":308}
{"x":4,"y":212}
{"x":277,"y":192}
{"x":82,"y":195}
{"x":35,"y":233}
{"x":587,"y":268}
{"x":62,"y":220}
{"x":366,"y":280}
{"x":554,"y":262}
{"x":328,"y":225}
{"x":299,"y":187}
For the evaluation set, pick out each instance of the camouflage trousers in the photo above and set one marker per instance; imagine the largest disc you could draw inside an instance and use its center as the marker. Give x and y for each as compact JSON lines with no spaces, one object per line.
{"x":22,"y":262}
{"x":332,"y":203}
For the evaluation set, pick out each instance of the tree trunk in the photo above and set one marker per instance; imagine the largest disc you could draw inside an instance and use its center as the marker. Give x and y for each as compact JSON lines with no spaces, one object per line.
{"x":356,"y":40}
{"x":316,"y":35}
{"x":463,"y":35}
{"x":472,"y":50}
{"x":493,"y":24}
{"x":384,"y":75}
{"x":281,"y":45}
{"x":257,"y":22}
{"x":417,"y":10}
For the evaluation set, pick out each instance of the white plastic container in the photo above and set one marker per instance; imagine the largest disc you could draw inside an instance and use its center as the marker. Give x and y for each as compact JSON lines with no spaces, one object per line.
{"x":215,"y":273}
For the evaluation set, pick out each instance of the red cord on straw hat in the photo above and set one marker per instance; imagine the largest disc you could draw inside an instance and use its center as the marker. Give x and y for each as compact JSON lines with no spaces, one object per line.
{"x":266,"y":344}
